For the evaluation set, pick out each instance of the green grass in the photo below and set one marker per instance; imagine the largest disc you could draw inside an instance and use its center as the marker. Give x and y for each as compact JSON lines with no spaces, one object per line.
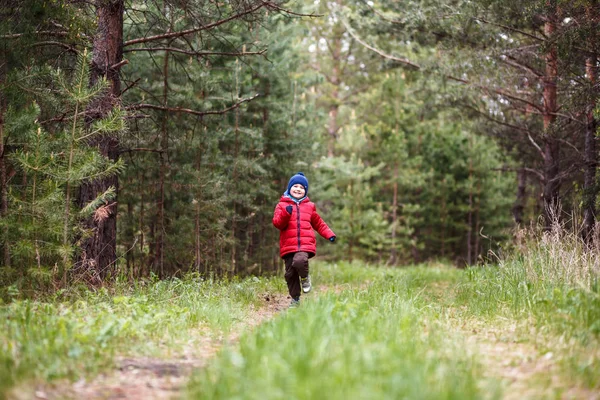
{"x":78,"y":334}
{"x":376,"y":333}
{"x":409,"y":334}
{"x":384,"y":341}
{"x":557,"y":316}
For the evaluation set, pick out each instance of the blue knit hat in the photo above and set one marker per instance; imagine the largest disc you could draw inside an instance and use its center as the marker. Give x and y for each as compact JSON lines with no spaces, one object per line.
{"x":299,"y":178}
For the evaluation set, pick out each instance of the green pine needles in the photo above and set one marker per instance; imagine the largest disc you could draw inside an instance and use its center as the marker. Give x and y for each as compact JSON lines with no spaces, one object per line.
{"x":44,"y":222}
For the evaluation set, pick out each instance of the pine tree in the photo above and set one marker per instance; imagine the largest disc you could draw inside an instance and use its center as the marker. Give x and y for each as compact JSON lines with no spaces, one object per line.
{"x":56,"y":164}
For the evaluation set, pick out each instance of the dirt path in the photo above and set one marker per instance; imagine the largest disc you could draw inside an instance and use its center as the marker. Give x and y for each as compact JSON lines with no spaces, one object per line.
{"x":156,"y":378}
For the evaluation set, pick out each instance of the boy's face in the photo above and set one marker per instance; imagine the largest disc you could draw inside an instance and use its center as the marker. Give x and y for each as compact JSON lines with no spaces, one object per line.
{"x":297,"y":191}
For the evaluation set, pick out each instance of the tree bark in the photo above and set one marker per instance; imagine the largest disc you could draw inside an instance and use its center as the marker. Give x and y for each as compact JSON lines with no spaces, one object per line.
{"x":590,"y":186}
{"x":470,"y":214}
{"x":3,"y":189}
{"x":551,"y":145}
{"x":143,"y":259}
{"x":160,"y":199}
{"x":197,"y":242}
{"x":519,"y":206}
{"x":5,"y":258}
{"x":99,"y":252}
{"x":335,"y":80}
{"x":394,"y":251}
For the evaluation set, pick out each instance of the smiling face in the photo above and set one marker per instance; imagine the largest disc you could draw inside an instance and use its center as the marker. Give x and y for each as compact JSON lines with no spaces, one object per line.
{"x":297,"y":191}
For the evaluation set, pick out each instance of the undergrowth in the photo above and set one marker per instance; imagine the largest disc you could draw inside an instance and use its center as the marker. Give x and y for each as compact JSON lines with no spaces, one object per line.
{"x":550,"y":286}
{"x":78,"y":333}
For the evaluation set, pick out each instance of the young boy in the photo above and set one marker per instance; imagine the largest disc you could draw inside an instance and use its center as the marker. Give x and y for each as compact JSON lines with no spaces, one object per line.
{"x":296,"y":216}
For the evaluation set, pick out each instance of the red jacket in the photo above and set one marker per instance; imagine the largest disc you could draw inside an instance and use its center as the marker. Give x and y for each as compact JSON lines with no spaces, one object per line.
{"x":296,"y":229}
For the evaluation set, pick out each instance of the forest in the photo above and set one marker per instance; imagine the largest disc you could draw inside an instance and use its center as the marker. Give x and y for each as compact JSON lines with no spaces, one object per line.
{"x":449,"y":144}
{"x":152,"y":137}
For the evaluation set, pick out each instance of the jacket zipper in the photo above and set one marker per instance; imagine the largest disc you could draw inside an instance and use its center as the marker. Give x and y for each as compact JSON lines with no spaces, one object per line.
{"x":298,"y":223}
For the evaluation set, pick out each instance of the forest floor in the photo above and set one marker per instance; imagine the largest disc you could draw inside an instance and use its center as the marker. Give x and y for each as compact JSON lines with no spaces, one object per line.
{"x":152,"y":378}
{"x":444,"y":350}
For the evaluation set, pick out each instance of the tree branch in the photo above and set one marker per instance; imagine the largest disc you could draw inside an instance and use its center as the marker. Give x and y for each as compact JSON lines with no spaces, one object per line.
{"x":512,"y":61}
{"x":129,"y":86}
{"x":509,"y":28}
{"x":54,"y":43}
{"x":119,"y":64}
{"x":381,"y":53}
{"x":515,"y":127}
{"x":194,"y":30}
{"x":190,"y":111}
{"x":278,"y":8}
{"x":418,"y":67}
{"x":530,"y":170}
{"x":141,"y":149}
{"x":196,"y":53}
{"x":18,"y":35}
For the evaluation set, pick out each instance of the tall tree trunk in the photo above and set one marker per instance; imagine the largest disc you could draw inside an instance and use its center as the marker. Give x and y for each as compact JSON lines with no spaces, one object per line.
{"x":99,"y":252}
{"x":519,"y":205}
{"x":143,"y":258}
{"x":551,"y":145}
{"x":351,"y":225}
{"x":197,"y":250}
{"x":416,"y":235}
{"x":443,"y":218}
{"x":470,"y":214}
{"x":159,"y":260}
{"x":130,"y":255}
{"x":3,"y":188}
{"x":5,"y":257}
{"x":394,"y":251}
{"x":232,"y":267}
{"x":590,"y":187}
{"x":332,"y":125}
{"x":476,"y":250}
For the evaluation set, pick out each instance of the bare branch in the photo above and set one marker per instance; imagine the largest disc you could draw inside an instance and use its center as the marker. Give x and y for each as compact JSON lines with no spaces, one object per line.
{"x":460,"y":80}
{"x":197,"y":53}
{"x":119,"y":64}
{"x":381,"y":53}
{"x":380,"y":14}
{"x":190,"y":111}
{"x":194,"y":30}
{"x":510,"y":28}
{"x":278,"y":8}
{"x":54,"y":43}
{"x":512,"y":61}
{"x":537,"y":146}
{"x":141,"y":149}
{"x":132,"y":84}
{"x":515,"y":127}
{"x":530,"y":170}
{"x":18,"y":35}
{"x":571,"y":145}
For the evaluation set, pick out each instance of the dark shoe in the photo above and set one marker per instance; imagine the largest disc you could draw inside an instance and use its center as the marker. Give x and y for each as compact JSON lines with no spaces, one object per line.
{"x":295,"y":303}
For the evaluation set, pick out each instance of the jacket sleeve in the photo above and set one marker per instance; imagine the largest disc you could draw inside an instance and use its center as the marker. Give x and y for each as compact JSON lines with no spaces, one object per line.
{"x":320,"y":226}
{"x":281,"y":218}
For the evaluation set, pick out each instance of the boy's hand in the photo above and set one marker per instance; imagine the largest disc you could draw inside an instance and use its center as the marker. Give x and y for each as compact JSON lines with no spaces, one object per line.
{"x":289,"y":209}
{"x":332,"y":239}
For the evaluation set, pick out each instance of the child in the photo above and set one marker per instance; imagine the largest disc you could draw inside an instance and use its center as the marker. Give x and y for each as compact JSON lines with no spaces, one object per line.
{"x":296,"y":216}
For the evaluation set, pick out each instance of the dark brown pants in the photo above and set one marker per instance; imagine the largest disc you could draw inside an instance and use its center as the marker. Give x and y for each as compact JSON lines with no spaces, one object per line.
{"x":296,"y":267}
